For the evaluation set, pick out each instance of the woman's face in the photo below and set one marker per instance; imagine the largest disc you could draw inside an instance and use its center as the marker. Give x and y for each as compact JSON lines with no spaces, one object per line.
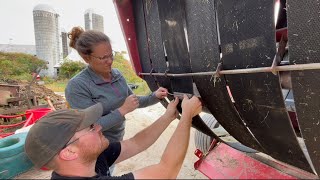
{"x":101,"y":58}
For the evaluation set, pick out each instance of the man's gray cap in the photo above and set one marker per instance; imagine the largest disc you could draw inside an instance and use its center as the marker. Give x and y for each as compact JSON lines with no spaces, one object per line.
{"x":52,"y":132}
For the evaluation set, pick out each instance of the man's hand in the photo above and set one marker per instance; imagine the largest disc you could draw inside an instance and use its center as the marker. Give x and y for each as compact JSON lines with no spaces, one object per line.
{"x":171,"y":112}
{"x":191,"y":107}
{"x":131,"y":103}
{"x":161,"y":93}
{"x":175,"y":152}
{"x":145,"y":138}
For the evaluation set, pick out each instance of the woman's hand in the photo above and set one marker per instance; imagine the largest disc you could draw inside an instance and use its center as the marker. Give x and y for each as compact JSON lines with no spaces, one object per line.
{"x":161,"y":93}
{"x":171,"y":112}
{"x":131,"y":103}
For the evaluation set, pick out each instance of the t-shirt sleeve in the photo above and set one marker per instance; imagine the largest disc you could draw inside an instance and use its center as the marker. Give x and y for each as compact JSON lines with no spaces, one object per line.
{"x":112,"y":152}
{"x":125,"y":176}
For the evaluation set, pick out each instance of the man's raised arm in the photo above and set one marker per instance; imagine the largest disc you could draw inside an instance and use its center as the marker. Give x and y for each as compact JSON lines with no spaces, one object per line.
{"x":174,"y":154}
{"x":145,"y":138}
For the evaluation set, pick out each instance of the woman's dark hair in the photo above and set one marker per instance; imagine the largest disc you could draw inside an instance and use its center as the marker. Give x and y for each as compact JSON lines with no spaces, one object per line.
{"x":84,"y":41}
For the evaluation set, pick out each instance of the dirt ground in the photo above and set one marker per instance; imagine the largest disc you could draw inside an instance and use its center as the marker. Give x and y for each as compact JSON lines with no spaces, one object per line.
{"x":136,"y":121}
{"x":40,"y":92}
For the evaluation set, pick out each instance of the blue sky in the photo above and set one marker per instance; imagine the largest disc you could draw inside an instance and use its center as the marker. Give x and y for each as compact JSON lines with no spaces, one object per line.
{"x":17,"y":19}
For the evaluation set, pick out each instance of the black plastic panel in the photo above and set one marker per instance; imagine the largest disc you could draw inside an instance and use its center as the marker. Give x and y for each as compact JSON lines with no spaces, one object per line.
{"x":157,"y":54}
{"x":155,"y":31}
{"x":247,"y":32}
{"x":304,"y":48}
{"x":204,"y":54}
{"x":172,"y":17}
{"x":143,"y":43}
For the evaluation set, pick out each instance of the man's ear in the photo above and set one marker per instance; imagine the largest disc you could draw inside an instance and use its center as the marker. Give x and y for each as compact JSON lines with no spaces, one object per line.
{"x":68,"y":154}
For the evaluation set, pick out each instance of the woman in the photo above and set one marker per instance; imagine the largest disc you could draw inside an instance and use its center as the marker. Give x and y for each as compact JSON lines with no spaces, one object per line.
{"x":99,"y":82}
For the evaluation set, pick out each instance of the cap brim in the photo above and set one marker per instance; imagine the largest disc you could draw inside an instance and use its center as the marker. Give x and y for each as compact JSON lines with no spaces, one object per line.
{"x":92,"y":115}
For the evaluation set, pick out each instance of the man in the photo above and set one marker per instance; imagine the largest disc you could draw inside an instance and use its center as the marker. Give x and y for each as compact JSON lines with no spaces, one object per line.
{"x":70,"y":143}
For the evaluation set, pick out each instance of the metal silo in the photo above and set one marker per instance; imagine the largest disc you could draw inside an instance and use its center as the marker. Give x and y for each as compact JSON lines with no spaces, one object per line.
{"x":93,"y":21}
{"x":65,"y":43}
{"x":47,"y":36}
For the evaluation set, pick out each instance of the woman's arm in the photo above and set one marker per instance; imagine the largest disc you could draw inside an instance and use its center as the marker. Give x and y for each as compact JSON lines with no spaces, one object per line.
{"x":79,"y":97}
{"x":151,"y":99}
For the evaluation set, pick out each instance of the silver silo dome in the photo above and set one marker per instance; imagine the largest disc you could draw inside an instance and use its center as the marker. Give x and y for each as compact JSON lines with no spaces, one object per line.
{"x":47,"y":36}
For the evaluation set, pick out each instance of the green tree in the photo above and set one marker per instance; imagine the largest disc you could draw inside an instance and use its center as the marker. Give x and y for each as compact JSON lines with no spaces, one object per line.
{"x":69,"y":69}
{"x":19,"y":66}
{"x":125,"y":67}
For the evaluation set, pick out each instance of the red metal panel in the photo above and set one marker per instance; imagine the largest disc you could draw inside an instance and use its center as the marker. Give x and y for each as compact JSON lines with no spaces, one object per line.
{"x":125,"y":15}
{"x":224,"y":162}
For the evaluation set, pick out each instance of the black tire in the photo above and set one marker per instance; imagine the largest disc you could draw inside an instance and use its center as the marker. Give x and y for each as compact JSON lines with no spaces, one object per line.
{"x":203,"y":141}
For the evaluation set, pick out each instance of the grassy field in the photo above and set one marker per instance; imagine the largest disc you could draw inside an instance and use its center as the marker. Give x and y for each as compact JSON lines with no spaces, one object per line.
{"x":60,"y":85}
{"x":57,"y":86}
